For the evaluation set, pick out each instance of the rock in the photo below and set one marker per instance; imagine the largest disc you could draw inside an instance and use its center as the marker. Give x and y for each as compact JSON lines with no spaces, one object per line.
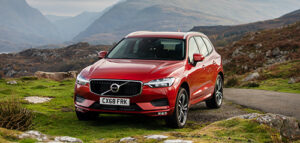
{"x":268,"y":53}
{"x":56,"y":75}
{"x":252,"y":76}
{"x":178,"y":141}
{"x":259,"y":45}
{"x":12,"y":82}
{"x":67,"y":139}
{"x":246,"y":116}
{"x":251,"y":55}
{"x":10,"y":73}
{"x":294,"y":80}
{"x":157,"y":137}
{"x":287,"y":126}
{"x":127,"y":139}
{"x":36,"y":99}
{"x":276,"y":52}
{"x":35,"y":135}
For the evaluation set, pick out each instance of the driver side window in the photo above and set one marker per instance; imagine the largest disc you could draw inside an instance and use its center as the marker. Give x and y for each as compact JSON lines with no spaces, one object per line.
{"x":193,"y":48}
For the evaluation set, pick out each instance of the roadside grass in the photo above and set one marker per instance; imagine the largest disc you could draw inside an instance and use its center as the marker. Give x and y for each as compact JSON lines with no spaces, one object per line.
{"x":226,"y":131}
{"x":58,"y":118}
{"x":280,"y":85}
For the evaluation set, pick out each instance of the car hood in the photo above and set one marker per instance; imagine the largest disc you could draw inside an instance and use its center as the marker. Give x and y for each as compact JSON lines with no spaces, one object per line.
{"x":142,"y":70}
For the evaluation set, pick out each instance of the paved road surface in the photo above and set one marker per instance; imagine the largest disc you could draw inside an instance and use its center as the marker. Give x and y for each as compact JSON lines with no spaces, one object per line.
{"x":267,"y":101}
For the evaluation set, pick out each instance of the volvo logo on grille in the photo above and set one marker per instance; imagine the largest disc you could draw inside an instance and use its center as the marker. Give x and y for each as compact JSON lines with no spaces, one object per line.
{"x":114,"y":88}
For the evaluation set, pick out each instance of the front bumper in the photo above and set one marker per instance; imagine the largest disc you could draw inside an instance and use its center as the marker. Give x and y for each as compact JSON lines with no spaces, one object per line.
{"x":145,"y":103}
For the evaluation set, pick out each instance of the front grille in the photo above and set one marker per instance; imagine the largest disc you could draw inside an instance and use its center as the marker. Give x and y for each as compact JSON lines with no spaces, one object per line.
{"x":132,"y":107}
{"x":127,"y":88}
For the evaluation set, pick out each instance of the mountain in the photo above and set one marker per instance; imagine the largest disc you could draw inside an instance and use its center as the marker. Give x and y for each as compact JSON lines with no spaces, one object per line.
{"x":171,"y":15}
{"x":70,"y":27}
{"x":223,"y":35}
{"x":22,"y":26}
{"x":54,"y":18}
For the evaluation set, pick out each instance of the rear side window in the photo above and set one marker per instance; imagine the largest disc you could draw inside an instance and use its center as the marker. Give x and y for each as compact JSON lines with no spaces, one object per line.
{"x":208,"y":44}
{"x":202,"y":46}
{"x":192,"y":49}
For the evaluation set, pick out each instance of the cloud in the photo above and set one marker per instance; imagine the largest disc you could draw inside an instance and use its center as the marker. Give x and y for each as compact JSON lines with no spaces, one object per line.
{"x":70,"y":7}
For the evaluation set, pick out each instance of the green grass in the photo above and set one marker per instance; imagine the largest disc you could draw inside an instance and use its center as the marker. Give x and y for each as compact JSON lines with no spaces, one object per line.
{"x":280,"y":85}
{"x":51,"y":119}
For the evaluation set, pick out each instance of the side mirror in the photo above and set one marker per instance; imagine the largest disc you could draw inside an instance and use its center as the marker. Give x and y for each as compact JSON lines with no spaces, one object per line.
{"x":198,"y":57}
{"x":102,"y":54}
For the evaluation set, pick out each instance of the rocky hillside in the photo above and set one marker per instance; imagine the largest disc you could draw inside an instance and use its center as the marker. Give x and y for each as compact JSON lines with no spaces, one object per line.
{"x":74,"y":57}
{"x":260,"y":49}
{"x":22,"y":26}
{"x":223,"y":35}
{"x":171,"y":15}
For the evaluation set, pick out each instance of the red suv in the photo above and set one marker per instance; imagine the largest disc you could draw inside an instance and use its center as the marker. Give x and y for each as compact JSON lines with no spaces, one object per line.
{"x":154,"y":74}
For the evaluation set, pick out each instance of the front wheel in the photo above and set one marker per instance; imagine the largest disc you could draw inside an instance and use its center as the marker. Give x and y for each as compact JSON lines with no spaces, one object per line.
{"x":217,"y":98}
{"x":179,"y":117}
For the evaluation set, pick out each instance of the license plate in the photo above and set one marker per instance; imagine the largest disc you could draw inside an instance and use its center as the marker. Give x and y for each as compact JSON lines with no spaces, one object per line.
{"x":114,"y":101}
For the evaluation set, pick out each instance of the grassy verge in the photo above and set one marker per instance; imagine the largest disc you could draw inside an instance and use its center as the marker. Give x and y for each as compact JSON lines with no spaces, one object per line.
{"x":280,"y":85}
{"x":57,"y":117}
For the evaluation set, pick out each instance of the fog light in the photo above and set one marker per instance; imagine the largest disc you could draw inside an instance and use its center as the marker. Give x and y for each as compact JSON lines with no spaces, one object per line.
{"x":79,"y":98}
{"x":162,"y":113}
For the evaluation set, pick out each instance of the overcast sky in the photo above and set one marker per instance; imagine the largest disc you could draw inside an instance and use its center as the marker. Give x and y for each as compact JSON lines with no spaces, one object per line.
{"x":70,"y":7}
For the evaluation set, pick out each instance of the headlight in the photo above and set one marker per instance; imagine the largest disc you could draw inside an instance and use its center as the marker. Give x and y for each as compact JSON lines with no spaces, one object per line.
{"x":81,"y":80}
{"x":165,"y":82}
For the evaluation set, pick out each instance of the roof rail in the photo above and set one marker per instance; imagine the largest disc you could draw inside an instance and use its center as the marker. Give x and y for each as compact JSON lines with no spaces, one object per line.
{"x":136,"y":32}
{"x":192,"y":32}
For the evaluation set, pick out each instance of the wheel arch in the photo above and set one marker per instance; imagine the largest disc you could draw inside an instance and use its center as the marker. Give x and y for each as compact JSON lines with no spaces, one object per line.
{"x":185,"y":85}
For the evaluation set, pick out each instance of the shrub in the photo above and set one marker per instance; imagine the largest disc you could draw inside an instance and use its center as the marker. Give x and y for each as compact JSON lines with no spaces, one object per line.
{"x":253,"y":84}
{"x":232,"y":82}
{"x":14,"y":116}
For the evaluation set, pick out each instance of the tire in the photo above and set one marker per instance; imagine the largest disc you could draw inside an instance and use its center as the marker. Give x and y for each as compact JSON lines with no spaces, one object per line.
{"x":217,"y":98}
{"x":86,"y":116}
{"x":179,"y":117}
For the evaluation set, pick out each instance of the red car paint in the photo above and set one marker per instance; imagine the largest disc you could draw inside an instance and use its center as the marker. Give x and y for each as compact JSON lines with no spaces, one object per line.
{"x":199,"y":77}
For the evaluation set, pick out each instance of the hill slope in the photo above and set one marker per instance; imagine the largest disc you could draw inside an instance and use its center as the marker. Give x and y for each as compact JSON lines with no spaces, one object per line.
{"x":222,"y":35}
{"x":171,"y":15}
{"x":23,"y":25}
{"x":74,"y":57}
{"x":260,"y":49}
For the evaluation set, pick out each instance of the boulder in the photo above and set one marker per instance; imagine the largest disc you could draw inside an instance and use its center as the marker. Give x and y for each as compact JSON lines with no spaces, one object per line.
{"x":36,"y":99}
{"x":12,"y":82}
{"x":35,"y":135}
{"x":56,"y":75}
{"x":67,"y":139}
{"x":252,"y":76}
{"x":276,"y":52}
{"x":127,"y":139}
{"x":287,"y":126}
{"x":294,"y":80}
{"x":178,"y":141}
{"x":156,"y":137}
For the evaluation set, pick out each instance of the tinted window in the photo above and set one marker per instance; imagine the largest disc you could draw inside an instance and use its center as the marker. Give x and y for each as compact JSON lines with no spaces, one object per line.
{"x":192,"y":49}
{"x":208,"y":44}
{"x":149,"y":49}
{"x":202,"y":46}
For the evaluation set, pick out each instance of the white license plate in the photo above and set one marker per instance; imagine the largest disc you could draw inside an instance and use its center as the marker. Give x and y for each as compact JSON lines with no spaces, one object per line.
{"x":114,"y":101}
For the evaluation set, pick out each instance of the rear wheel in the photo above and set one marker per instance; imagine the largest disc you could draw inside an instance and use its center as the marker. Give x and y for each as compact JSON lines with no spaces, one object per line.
{"x":217,"y":98}
{"x":179,"y":117}
{"x":86,"y":116}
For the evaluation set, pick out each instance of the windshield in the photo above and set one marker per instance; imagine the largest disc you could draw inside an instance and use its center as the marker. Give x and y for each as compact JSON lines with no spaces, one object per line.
{"x":149,"y":49}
